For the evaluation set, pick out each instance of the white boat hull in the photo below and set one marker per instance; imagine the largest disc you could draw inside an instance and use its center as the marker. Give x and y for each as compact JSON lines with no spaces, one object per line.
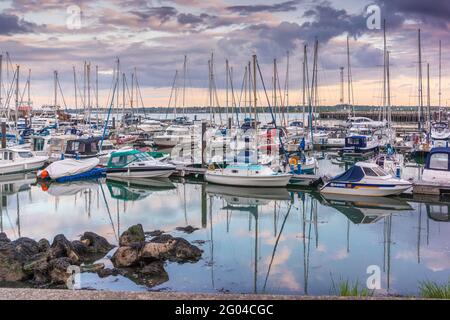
{"x":32,"y":165}
{"x":279,"y":180}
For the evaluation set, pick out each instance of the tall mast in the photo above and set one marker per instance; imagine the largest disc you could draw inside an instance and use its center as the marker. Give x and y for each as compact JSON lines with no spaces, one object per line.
{"x":55,"y":80}
{"x":132,"y":90}
{"x":17,"y":94}
{"x":274,"y":98}
{"x":227,"y":80}
{"x":383,"y":117}
{"x":88,"y":72}
{"x":287,"y":86}
{"x":428,"y":98}
{"x":29,"y":88}
{"x":123,"y":94}
{"x":1,"y":80}
{"x":184,"y":83}
{"x":304,"y":84}
{"x":254,"y":89}
{"x":84,"y":87}
{"x":250,"y":103}
{"x":440,"y":78}
{"x":388,"y":89}
{"x":349,"y":78}
{"x":96,"y":87}
{"x":420,"y":102}
{"x":75,"y":87}
{"x":341,"y":100}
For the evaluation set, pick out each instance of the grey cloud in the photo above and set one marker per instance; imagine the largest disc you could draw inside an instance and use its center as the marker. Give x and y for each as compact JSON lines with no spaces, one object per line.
{"x":278,"y":7}
{"x":11,"y":24}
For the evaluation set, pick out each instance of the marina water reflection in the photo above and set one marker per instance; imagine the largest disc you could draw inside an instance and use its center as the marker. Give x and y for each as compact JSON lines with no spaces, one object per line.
{"x":261,"y":241}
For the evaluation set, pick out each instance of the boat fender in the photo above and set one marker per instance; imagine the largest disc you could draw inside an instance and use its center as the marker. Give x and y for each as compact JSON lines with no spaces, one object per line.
{"x":43,"y":174}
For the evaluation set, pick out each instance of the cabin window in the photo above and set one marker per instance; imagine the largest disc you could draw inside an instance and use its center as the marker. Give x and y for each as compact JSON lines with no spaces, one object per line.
{"x":369,"y":172}
{"x":25,"y":154}
{"x":94,"y":147}
{"x":38,"y":145}
{"x":439,"y":161}
{"x":380,"y":172}
{"x":234,"y":171}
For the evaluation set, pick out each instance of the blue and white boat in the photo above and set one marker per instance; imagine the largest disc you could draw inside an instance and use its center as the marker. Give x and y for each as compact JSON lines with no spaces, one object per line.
{"x":366,"y":179}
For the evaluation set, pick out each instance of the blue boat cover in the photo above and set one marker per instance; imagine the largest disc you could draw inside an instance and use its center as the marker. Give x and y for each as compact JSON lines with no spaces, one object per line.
{"x":354,"y":174}
{"x":91,"y":174}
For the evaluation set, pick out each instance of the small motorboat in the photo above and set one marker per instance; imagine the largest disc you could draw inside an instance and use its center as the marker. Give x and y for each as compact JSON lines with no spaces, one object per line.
{"x":68,"y":168}
{"x":366,"y":179}
{"x":248,"y":175}
{"x":437,"y":166}
{"x":356,"y":145}
{"x":137,"y":164}
{"x":16,"y":160}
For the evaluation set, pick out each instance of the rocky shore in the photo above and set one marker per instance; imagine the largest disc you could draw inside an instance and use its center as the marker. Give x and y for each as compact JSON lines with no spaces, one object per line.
{"x":42,"y":264}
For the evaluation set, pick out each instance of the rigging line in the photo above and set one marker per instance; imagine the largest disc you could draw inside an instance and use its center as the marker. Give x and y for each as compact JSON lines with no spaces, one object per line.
{"x":276,"y":245}
{"x":107,"y":210}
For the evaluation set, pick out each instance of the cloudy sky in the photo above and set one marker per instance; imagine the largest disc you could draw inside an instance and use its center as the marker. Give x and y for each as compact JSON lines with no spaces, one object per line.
{"x":154,"y":35}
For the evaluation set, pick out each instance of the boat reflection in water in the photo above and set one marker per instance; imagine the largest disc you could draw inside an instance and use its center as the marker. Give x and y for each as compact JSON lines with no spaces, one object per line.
{"x":362,"y":210}
{"x":137,"y":189}
{"x":438,"y":212}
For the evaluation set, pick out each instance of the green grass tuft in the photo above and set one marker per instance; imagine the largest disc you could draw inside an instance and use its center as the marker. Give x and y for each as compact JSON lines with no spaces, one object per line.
{"x":432,"y":290}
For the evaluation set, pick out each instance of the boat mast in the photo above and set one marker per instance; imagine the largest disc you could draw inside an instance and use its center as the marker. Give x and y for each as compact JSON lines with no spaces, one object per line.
{"x":428,"y":101}
{"x":55,"y":101}
{"x":349,"y":79}
{"x":383,"y":116}
{"x":388,"y":89}
{"x":420,"y":105}
{"x":254,"y":90}
{"x":227,"y":80}
{"x":286,"y":104}
{"x":304,"y":85}
{"x":88,"y":73}
{"x":1,"y":81}
{"x":184,"y":83}
{"x":17,"y":94}
{"x":440,"y":78}
{"x":274,"y":97}
{"x":75,"y":88}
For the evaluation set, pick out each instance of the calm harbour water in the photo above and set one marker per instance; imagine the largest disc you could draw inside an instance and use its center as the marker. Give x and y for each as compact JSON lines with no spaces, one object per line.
{"x":273,"y":241}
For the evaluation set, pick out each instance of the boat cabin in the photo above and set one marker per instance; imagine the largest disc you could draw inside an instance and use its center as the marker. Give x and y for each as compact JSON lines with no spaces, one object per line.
{"x":438,"y":159}
{"x":83,"y":148}
{"x":121,"y":159}
{"x":9,"y":155}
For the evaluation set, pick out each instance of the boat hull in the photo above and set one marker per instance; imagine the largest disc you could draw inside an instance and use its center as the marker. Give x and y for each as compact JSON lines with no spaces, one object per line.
{"x":12,"y":168}
{"x":140,"y":172}
{"x":280,"y":180}
{"x":361,"y":189}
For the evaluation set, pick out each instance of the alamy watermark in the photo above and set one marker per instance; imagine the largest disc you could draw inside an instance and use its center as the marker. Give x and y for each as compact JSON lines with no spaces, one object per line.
{"x":373,"y":17}
{"x":73,"y":18}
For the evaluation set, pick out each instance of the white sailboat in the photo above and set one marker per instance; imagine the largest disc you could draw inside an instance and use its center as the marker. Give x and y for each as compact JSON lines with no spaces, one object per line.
{"x":15,"y":160}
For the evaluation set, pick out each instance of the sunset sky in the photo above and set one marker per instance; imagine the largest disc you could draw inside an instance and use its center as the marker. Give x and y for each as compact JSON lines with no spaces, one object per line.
{"x":154,"y":35}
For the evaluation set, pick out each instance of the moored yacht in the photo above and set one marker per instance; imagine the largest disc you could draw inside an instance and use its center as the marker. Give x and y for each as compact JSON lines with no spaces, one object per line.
{"x":366,"y":179}
{"x":248,"y":175}
{"x":137,"y":164}
{"x":437,"y":166}
{"x":15,"y":160}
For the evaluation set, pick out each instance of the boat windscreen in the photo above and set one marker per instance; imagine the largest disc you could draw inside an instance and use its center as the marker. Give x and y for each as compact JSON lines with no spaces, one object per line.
{"x":353,"y":174}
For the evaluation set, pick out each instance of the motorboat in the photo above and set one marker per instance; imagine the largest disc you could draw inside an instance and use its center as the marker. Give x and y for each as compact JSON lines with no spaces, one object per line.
{"x":68,"y":168}
{"x":173,"y":135}
{"x":363,"y":122}
{"x":437,"y":166}
{"x":15,"y":160}
{"x":248,"y":175}
{"x":366,"y":179}
{"x":137,"y":164}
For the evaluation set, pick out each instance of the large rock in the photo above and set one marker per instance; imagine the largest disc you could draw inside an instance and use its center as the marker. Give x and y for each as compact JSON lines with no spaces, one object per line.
{"x":38,"y":268}
{"x":11,"y":263}
{"x":126,"y":256}
{"x":43,"y":245}
{"x":134,"y":235}
{"x":61,"y":247}
{"x":178,"y":249}
{"x":26,"y":246}
{"x":96,"y":243}
{"x":59,"y":270}
{"x":4,"y":237}
{"x":155,"y":251}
